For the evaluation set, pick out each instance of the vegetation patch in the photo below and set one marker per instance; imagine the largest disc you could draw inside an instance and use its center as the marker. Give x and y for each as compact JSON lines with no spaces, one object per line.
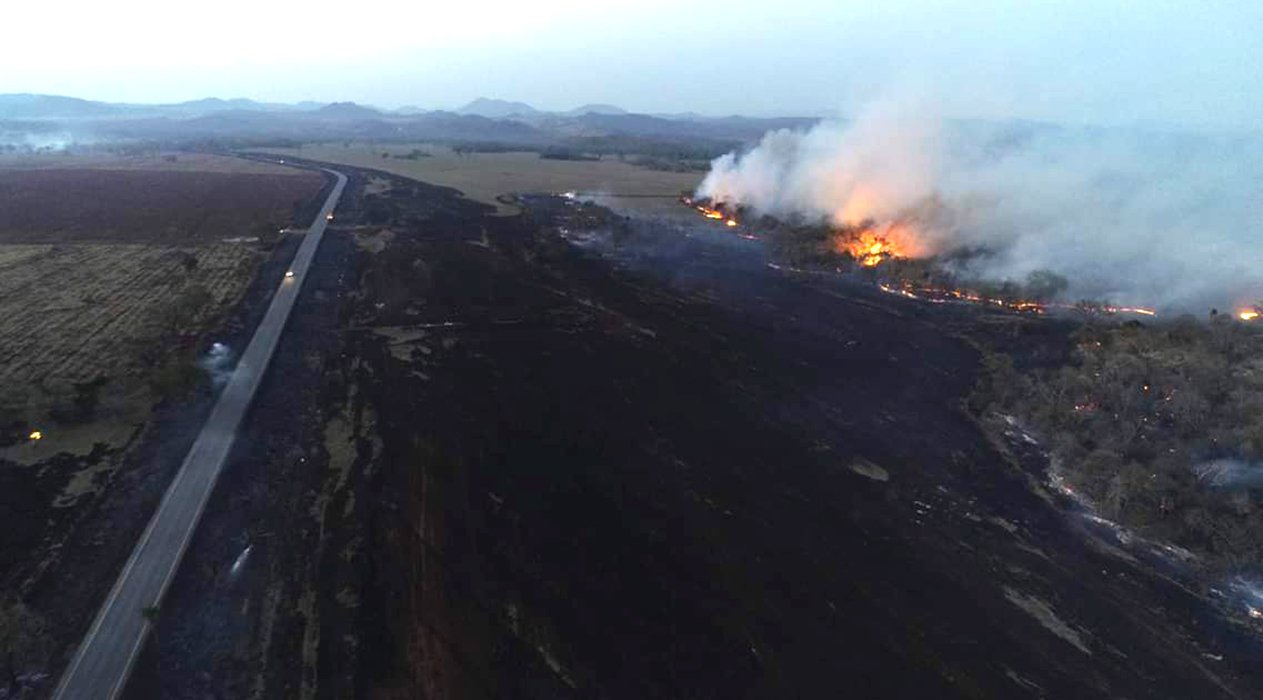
{"x":1159,"y":426}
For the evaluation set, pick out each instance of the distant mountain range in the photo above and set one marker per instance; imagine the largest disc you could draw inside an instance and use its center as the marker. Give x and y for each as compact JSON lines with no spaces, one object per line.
{"x":28,"y":106}
{"x":497,"y":109}
{"x":347,"y":110}
{"x":33,"y":106}
{"x":596,"y":109}
{"x":603,"y":127}
{"x":502,"y":109}
{"x":24,"y":106}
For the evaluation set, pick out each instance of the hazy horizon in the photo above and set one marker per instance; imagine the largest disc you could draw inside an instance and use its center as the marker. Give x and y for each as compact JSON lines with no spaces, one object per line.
{"x":1077,"y":63}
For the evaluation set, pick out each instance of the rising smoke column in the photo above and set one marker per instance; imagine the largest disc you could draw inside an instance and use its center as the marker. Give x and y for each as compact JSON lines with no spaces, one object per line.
{"x":845,"y":173}
{"x":1173,"y":219}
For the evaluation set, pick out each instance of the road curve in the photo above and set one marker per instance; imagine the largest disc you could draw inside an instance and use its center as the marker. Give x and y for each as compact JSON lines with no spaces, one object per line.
{"x":104,"y":658}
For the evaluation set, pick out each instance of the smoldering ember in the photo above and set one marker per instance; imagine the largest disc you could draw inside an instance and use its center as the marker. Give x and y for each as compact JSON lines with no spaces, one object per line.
{"x":952,"y":391}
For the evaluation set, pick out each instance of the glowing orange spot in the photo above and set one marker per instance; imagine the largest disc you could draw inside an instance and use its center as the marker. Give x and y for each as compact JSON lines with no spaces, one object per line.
{"x":715,"y":214}
{"x":1248,"y":314}
{"x":1132,"y":310}
{"x":869,"y":247}
{"x":36,"y":435}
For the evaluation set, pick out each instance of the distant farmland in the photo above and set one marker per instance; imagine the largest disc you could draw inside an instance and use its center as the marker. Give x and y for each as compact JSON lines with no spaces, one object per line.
{"x":169,"y":162}
{"x":135,"y":205}
{"x":485,"y":176}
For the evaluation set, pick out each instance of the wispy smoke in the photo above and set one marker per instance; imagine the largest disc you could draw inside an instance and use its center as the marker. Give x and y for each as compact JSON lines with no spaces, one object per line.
{"x":1126,"y":215}
{"x":1230,"y":473}
{"x":24,"y":136}
{"x":218,"y":364}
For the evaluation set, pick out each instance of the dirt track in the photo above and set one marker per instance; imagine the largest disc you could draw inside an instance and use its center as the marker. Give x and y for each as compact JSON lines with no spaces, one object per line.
{"x":494,"y":462}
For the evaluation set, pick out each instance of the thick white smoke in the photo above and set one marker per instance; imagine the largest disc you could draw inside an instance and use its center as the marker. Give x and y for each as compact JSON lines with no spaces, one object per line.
{"x":1174,"y":220}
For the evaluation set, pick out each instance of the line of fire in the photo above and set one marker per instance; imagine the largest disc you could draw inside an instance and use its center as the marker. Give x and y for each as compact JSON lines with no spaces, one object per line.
{"x":891,"y":252}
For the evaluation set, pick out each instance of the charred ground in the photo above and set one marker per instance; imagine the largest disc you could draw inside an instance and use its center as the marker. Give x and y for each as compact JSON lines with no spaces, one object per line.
{"x":565,"y":454}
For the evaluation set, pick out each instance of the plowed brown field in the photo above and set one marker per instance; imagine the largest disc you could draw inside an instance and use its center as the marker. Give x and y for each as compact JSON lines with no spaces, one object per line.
{"x":144,"y":206}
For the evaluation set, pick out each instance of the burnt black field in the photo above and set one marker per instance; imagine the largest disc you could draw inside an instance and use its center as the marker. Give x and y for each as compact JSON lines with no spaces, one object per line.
{"x":597,"y":457}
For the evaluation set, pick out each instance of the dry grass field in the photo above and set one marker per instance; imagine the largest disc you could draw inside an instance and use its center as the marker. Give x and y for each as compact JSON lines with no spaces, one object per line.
{"x":485,"y":176}
{"x":111,"y":269}
{"x":74,"y":312}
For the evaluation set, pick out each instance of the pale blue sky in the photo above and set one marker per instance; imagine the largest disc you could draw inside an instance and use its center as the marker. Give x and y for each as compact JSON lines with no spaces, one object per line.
{"x":1161,"y":62}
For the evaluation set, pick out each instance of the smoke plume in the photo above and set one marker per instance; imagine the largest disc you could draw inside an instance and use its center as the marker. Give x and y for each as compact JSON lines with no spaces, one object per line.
{"x":218,"y":364}
{"x":1132,"y":216}
{"x":1230,"y":473}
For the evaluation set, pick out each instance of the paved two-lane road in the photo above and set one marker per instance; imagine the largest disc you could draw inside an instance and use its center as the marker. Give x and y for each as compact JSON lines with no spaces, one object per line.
{"x":101,"y":665}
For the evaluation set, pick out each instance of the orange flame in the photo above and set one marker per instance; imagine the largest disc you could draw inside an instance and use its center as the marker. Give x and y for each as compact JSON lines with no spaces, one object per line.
{"x":873,"y":245}
{"x":716,"y":214}
{"x":940,"y":295}
{"x":1248,"y":314}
